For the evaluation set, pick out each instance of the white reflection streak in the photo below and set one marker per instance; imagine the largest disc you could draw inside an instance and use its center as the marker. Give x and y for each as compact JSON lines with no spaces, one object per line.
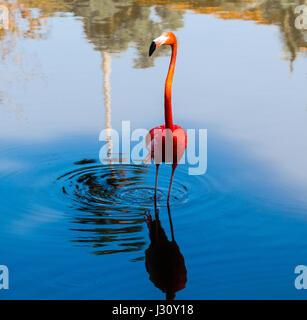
{"x":106,"y":66}
{"x":4,"y":17}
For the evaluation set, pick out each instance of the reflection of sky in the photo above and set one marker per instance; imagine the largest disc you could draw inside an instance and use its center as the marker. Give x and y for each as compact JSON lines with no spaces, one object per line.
{"x":230,"y":78}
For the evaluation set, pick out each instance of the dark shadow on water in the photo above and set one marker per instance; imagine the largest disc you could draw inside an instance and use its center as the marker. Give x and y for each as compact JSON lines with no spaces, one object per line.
{"x":85,"y":161}
{"x":163,"y":260}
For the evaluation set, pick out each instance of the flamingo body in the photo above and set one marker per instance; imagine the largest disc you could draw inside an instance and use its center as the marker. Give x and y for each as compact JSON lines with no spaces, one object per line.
{"x":157,"y":141}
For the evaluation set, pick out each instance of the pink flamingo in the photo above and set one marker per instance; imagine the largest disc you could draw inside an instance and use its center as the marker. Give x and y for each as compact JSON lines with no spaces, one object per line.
{"x":166,"y":143}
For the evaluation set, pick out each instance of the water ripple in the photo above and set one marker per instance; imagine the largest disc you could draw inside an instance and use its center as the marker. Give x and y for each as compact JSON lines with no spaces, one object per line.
{"x":111,"y":202}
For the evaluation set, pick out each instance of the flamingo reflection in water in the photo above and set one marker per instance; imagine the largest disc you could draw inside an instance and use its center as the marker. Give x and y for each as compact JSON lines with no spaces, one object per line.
{"x":163,"y":259}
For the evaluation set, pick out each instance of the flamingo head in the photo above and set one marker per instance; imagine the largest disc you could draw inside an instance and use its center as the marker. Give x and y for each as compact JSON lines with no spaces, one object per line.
{"x":166,"y":38}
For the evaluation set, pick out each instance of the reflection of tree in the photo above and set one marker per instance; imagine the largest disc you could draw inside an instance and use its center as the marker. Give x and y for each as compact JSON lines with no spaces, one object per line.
{"x":106,"y":67}
{"x":293,"y":38}
{"x":277,"y":12}
{"x":27,"y":20}
{"x":113,"y":26}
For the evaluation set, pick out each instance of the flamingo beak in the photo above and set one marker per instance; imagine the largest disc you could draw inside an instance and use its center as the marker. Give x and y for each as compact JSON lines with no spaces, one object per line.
{"x":157,"y":43}
{"x":152,"y":48}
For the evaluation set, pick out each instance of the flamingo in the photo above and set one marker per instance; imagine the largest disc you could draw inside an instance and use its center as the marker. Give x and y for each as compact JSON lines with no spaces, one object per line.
{"x":166,"y":143}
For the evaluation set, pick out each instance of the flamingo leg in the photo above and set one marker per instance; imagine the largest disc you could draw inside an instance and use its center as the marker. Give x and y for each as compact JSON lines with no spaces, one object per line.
{"x":170,"y":222}
{"x":174,"y":166}
{"x":156,"y":211}
{"x":156,"y":184}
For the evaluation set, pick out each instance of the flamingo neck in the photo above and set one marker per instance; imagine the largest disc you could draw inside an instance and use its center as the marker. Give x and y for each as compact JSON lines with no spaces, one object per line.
{"x":168,"y":89}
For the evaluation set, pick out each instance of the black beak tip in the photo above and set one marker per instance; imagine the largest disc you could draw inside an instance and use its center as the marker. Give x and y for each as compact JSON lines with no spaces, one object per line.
{"x":152,"y":48}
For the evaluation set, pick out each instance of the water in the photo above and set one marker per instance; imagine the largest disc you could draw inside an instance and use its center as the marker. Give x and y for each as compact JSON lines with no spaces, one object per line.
{"x":72,"y":228}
